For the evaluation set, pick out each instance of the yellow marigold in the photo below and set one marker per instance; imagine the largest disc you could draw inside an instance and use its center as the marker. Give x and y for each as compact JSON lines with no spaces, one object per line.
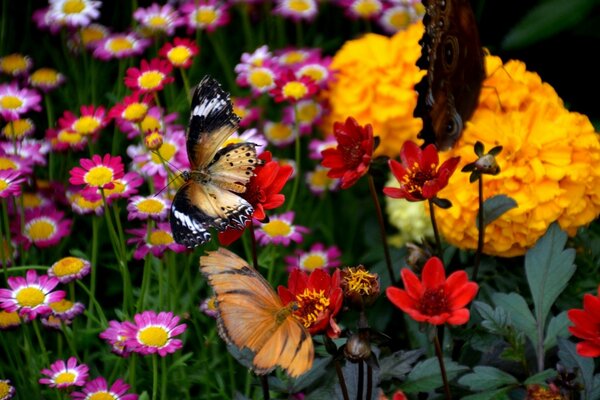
{"x":374,"y":83}
{"x":550,"y":164}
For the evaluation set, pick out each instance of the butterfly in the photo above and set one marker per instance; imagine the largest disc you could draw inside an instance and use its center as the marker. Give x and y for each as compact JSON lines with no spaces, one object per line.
{"x":251,"y":315}
{"x":454,"y":60}
{"x":209,"y":197}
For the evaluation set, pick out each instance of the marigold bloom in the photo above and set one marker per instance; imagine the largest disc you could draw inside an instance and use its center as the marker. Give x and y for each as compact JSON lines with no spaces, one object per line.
{"x":180,"y":53}
{"x":120,"y":45}
{"x":352,"y":157}
{"x":158,"y":19}
{"x":289,"y":87}
{"x":374,"y":82}
{"x":280,"y":230}
{"x":318,"y":297}
{"x":46,"y":79}
{"x":99,"y":172}
{"x":44,"y":227}
{"x":68,"y":269}
{"x":434,"y":299}
{"x":7,"y":390}
{"x":15,"y":64}
{"x":418,"y":173}
{"x":550,"y":164}
{"x":318,"y":256}
{"x":67,"y":374}
{"x":15,"y":102}
{"x":30,"y":295}
{"x":98,"y":389}
{"x":150,"y":77}
{"x":10,"y":183}
{"x":587,"y":325}
{"x":154,"y":333}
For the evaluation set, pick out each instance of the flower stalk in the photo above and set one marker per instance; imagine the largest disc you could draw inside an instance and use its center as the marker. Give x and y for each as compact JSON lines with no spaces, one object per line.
{"x":380,"y":220}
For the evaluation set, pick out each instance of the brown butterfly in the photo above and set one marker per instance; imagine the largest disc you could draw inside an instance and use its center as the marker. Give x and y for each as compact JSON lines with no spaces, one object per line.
{"x":454,"y":59}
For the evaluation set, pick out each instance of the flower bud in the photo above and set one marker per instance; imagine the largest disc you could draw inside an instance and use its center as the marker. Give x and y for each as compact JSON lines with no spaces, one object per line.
{"x":153,"y":140}
{"x":360,"y":287}
{"x":358,"y":347}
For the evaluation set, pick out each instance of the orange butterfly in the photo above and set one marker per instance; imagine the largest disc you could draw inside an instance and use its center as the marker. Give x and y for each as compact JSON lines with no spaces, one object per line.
{"x":252,"y":315}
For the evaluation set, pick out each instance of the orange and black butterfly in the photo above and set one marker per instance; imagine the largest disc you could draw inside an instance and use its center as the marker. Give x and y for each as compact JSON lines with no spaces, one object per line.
{"x":454,"y":60}
{"x":251,"y":315}
{"x":209,"y":197}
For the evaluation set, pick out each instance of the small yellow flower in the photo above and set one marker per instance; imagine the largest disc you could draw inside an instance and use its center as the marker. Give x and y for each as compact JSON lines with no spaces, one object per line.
{"x":15,"y":64}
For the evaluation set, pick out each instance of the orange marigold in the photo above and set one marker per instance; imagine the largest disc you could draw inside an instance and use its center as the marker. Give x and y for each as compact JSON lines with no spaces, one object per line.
{"x":375,"y":79}
{"x":550,"y":163}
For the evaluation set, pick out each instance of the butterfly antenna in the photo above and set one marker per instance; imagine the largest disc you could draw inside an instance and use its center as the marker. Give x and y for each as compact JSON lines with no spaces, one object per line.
{"x":173,"y":167}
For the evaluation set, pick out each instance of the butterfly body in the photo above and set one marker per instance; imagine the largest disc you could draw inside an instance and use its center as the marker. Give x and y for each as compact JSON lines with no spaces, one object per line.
{"x":209,"y":197}
{"x":251,"y":315}
{"x":454,"y":59}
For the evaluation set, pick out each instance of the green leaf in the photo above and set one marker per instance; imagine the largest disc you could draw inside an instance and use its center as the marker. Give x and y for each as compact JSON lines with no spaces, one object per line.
{"x":426,"y":375}
{"x":546,"y":20}
{"x":501,"y":394}
{"x":486,"y":378}
{"x":495,"y":206}
{"x":556,"y":328}
{"x":540,"y":377}
{"x":520,"y":314}
{"x":548,"y":268}
{"x":398,"y":364}
{"x":585,"y":366}
{"x":308,"y":379}
{"x":494,"y":320}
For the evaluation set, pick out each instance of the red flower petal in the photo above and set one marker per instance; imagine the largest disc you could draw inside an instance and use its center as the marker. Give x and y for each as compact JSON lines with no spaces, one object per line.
{"x":459,"y":317}
{"x":412,"y":285}
{"x":433,"y":274}
{"x":400,"y":299}
{"x":588,"y":349}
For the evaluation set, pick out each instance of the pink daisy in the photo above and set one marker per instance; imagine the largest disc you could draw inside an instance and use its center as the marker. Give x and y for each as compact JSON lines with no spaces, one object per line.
{"x":307,"y":113}
{"x":63,"y":13}
{"x":154,"y":333}
{"x":66,"y":139}
{"x":7,"y":389}
{"x":12,"y":162}
{"x":289,"y":87}
{"x":205,"y":15}
{"x":150,"y":77}
{"x":318,"y":70}
{"x":70,"y":268}
{"x":44,"y":227}
{"x":116,"y":336}
{"x":209,"y":307}
{"x":83,"y":206}
{"x":180,"y":53}
{"x":362,"y":9}
{"x":154,"y":120}
{"x":10,"y":183}
{"x":120,"y":45}
{"x":132,"y":108}
{"x":294,"y":57}
{"x":172,"y":151}
{"x":280,"y":230}
{"x":30,"y":296}
{"x":18,"y":129}
{"x":15,"y":65}
{"x":98,"y":389}
{"x":280,"y":134}
{"x":63,"y":374}
{"x":99,"y":172}
{"x":15,"y":102}
{"x":66,"y":310}
{"x":89,"y":123}
{"x":34,"y":151}
{"x":124,"y":188}
{"x":150,"y":207}
{"x":157,"y":242}
{"x":46,"y":79}
{"x":318,"y":256}
{"x":319,"y":182}
{"x":297,"y":10}
{"x":158,"y":19}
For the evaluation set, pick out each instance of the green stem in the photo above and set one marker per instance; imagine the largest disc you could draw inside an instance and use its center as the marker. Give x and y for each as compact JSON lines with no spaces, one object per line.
{"x":298,"y":176}
{"x":380,"y":220}
{"x":145,"y":282}
{"x":132,"y":380}
{"x":436,"y":233}
{"x":163,"y":377}
{"x":219,"y":49}
{"x":9,"y":256}
{"x":154,"y":376}
{"x":186,"y":85}
{"x":440,"y":357}
{"x":38,"y":334}
{"x":93,"y":264}
{"x":93,"y":301}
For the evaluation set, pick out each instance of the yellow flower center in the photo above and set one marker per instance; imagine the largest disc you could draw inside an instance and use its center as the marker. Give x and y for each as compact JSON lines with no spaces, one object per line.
{"x":240,"y":111}
{"x":320,"y":179}
{"x":86,"y":125}
{"x":70,"y":137}
{"x":211,"y":304}
{"x":4,"y":390}
{"x":153,"y":336}
{"x":150,"y":206}
{"x":367,"y":8}
{"x":117,"y":189}
{"x":73,"y":6}
{"x":8,"y":319}
{"x":44,"y":76}
{"x":157,"y":21}
{"x":160,"y":238}
{"x":277,"y":227}
{"x":7,"y":163}
{"x":299,"y":5}
{"x":40,"y":229}
{"x":3,"y":184}
{"x":31,"y":200}
{"x":308,"y":112}
{"x":120,"y":44}
{"x":85,"y":204}
{"x":150,"y":123}
{"x":17,"y":129}
{"x":399,"y":19}
{"x":135,"y":112}
{"x":231,"y":141}
{"x":260,"y":78}
{"x":359,"y":281}
{"x":13,"y":63}
{"x":293,"y":57}
{"x":313,"y":261}
{"x":98,"y":176}
{"x":10,"y":102}
{"x":314,"y":72}
{"x":150,"y":79}
{"x":61,"y":306}
{"x":179,"y":55}
{"x":30,"y":297}
{"x":279,"y":131}
{"x":206,"y":16}
{"x":166,"y":151}
{"x":65,"y":377}
{"x":91,"y":34}
{"x":295,"y":90}
{"x":68,"y":266}
{"x":311,"y":304}
{"x":102,"y":395}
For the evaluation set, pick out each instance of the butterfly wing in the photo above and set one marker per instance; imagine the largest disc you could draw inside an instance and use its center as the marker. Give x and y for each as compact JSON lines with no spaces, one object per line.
{"x":250,"y":315}
{"x":212,"y":121}
{"x":196,"y":208}
{"x":454,"y":60}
